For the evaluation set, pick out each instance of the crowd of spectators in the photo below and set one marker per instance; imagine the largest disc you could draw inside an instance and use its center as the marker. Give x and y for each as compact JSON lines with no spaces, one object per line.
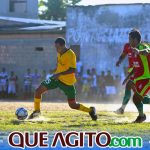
{"x":89,"y":83}
{"x":93,"y":85}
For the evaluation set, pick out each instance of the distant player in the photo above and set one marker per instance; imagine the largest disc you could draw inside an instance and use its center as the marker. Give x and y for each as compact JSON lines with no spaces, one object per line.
{"x":127,"y":52}
{"x":64,"y":79}
{"x":141,"y":84}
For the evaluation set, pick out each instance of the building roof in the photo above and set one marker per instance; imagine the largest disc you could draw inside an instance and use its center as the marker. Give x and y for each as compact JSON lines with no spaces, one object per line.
{"x":106,"y":2}
{"x":12,"y":24}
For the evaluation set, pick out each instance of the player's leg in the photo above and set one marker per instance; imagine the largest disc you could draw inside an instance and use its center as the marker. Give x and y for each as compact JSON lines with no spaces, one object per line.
{"x":45,"y":86}
{"x":146,"y":99}
{"x":137,"y":100}
{"x":37,"y":101}
{"x":70,"y":92}
{"x":125,"y":101}
{"x":140,"y":98}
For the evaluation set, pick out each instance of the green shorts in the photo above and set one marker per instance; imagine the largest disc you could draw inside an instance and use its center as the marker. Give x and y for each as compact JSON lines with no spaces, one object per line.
{"x":69,"y":90}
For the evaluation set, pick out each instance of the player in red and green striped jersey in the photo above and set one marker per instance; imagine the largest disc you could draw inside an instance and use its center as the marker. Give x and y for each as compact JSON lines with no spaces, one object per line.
{"x":127,"y":52}
{"x":141,"y":83}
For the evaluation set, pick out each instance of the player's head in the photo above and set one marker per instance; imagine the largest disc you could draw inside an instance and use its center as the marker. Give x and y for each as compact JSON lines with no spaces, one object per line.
{"x":60,"y":44}
{"x":134,"y":37}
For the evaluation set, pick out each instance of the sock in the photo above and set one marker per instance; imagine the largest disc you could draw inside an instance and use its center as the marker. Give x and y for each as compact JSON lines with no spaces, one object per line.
{"x":37,"y":104}
{"x":139,"y":106}
{"x":84,"y":108}
{"x":126,"y":98}
{"x":123,"y":106}
{"x":146,"y":100}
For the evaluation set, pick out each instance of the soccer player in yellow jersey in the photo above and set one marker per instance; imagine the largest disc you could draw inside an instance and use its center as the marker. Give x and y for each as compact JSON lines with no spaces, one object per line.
{"x":64,"y":79}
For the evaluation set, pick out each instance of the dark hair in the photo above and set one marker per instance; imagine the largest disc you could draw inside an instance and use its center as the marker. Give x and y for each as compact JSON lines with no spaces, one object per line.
{"x":135,"y":34}
{"x":60,"y":41}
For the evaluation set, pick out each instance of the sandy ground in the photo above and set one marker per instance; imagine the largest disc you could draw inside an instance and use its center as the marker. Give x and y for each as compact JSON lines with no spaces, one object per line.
{"x":64,"y":106}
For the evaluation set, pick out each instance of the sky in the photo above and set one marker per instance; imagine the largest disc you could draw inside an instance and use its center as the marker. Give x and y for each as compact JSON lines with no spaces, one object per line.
{"x":98,"y":2}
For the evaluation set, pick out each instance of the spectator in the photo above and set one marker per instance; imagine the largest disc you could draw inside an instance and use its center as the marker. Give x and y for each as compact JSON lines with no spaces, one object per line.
{"x":101,"y":85}
{"x":110,"y":88}
{"x":86,"y":79}
{"x":12,"y":83}
{"x":79,"y":68}
{"x":109,"y":79}
{"x":27,"y":84}
{"x":3,"y":83}
{"x":94,"y":82}
{"x":36,"y":78}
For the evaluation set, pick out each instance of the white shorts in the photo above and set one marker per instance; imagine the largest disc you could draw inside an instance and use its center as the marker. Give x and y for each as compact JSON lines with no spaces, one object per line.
{"x":12,"y":89}
{"x":3,"y":87}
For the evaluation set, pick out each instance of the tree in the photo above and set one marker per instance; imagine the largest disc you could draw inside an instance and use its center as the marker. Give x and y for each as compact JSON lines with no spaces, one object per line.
{"x":55,"y":9}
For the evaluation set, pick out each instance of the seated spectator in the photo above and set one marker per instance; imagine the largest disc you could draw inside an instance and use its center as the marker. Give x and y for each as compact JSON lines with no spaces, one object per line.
{"x":12,"y":83}
{"x":3,"y":83}
{"x":27,"y":84}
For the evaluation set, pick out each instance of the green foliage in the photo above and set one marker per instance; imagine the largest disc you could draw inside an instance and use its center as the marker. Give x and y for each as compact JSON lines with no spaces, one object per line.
{"x":55,"y":9}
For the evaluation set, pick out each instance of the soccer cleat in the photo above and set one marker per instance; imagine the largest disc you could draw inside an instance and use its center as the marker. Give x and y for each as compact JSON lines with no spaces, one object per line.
{"x":35,"y":114}
{"x":140,"y":119}
{"x":119,"y":111}
{"x":93,"y":113}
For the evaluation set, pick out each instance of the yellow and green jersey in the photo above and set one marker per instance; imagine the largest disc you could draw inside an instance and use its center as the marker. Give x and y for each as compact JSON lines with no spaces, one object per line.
{"x":64,"y":62}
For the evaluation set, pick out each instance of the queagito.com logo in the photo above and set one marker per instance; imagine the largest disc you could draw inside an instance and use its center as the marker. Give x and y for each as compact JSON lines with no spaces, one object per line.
{"x":73,"y":139}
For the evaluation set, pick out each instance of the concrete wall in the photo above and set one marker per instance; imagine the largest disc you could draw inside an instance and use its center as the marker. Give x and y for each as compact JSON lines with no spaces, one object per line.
{"x":17,"y":52}
{"x":31,"y":12}
{"x":4,"y":7}
{"x":101,"y":32}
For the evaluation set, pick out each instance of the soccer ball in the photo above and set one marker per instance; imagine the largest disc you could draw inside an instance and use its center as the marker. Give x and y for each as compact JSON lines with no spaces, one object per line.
{"x":21,"y":113}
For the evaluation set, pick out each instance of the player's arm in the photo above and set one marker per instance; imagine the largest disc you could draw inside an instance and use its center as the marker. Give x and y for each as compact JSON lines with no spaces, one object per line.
{"x":145,"y":51}
{"x":128,"y":77}
{"x":121,"y":58}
